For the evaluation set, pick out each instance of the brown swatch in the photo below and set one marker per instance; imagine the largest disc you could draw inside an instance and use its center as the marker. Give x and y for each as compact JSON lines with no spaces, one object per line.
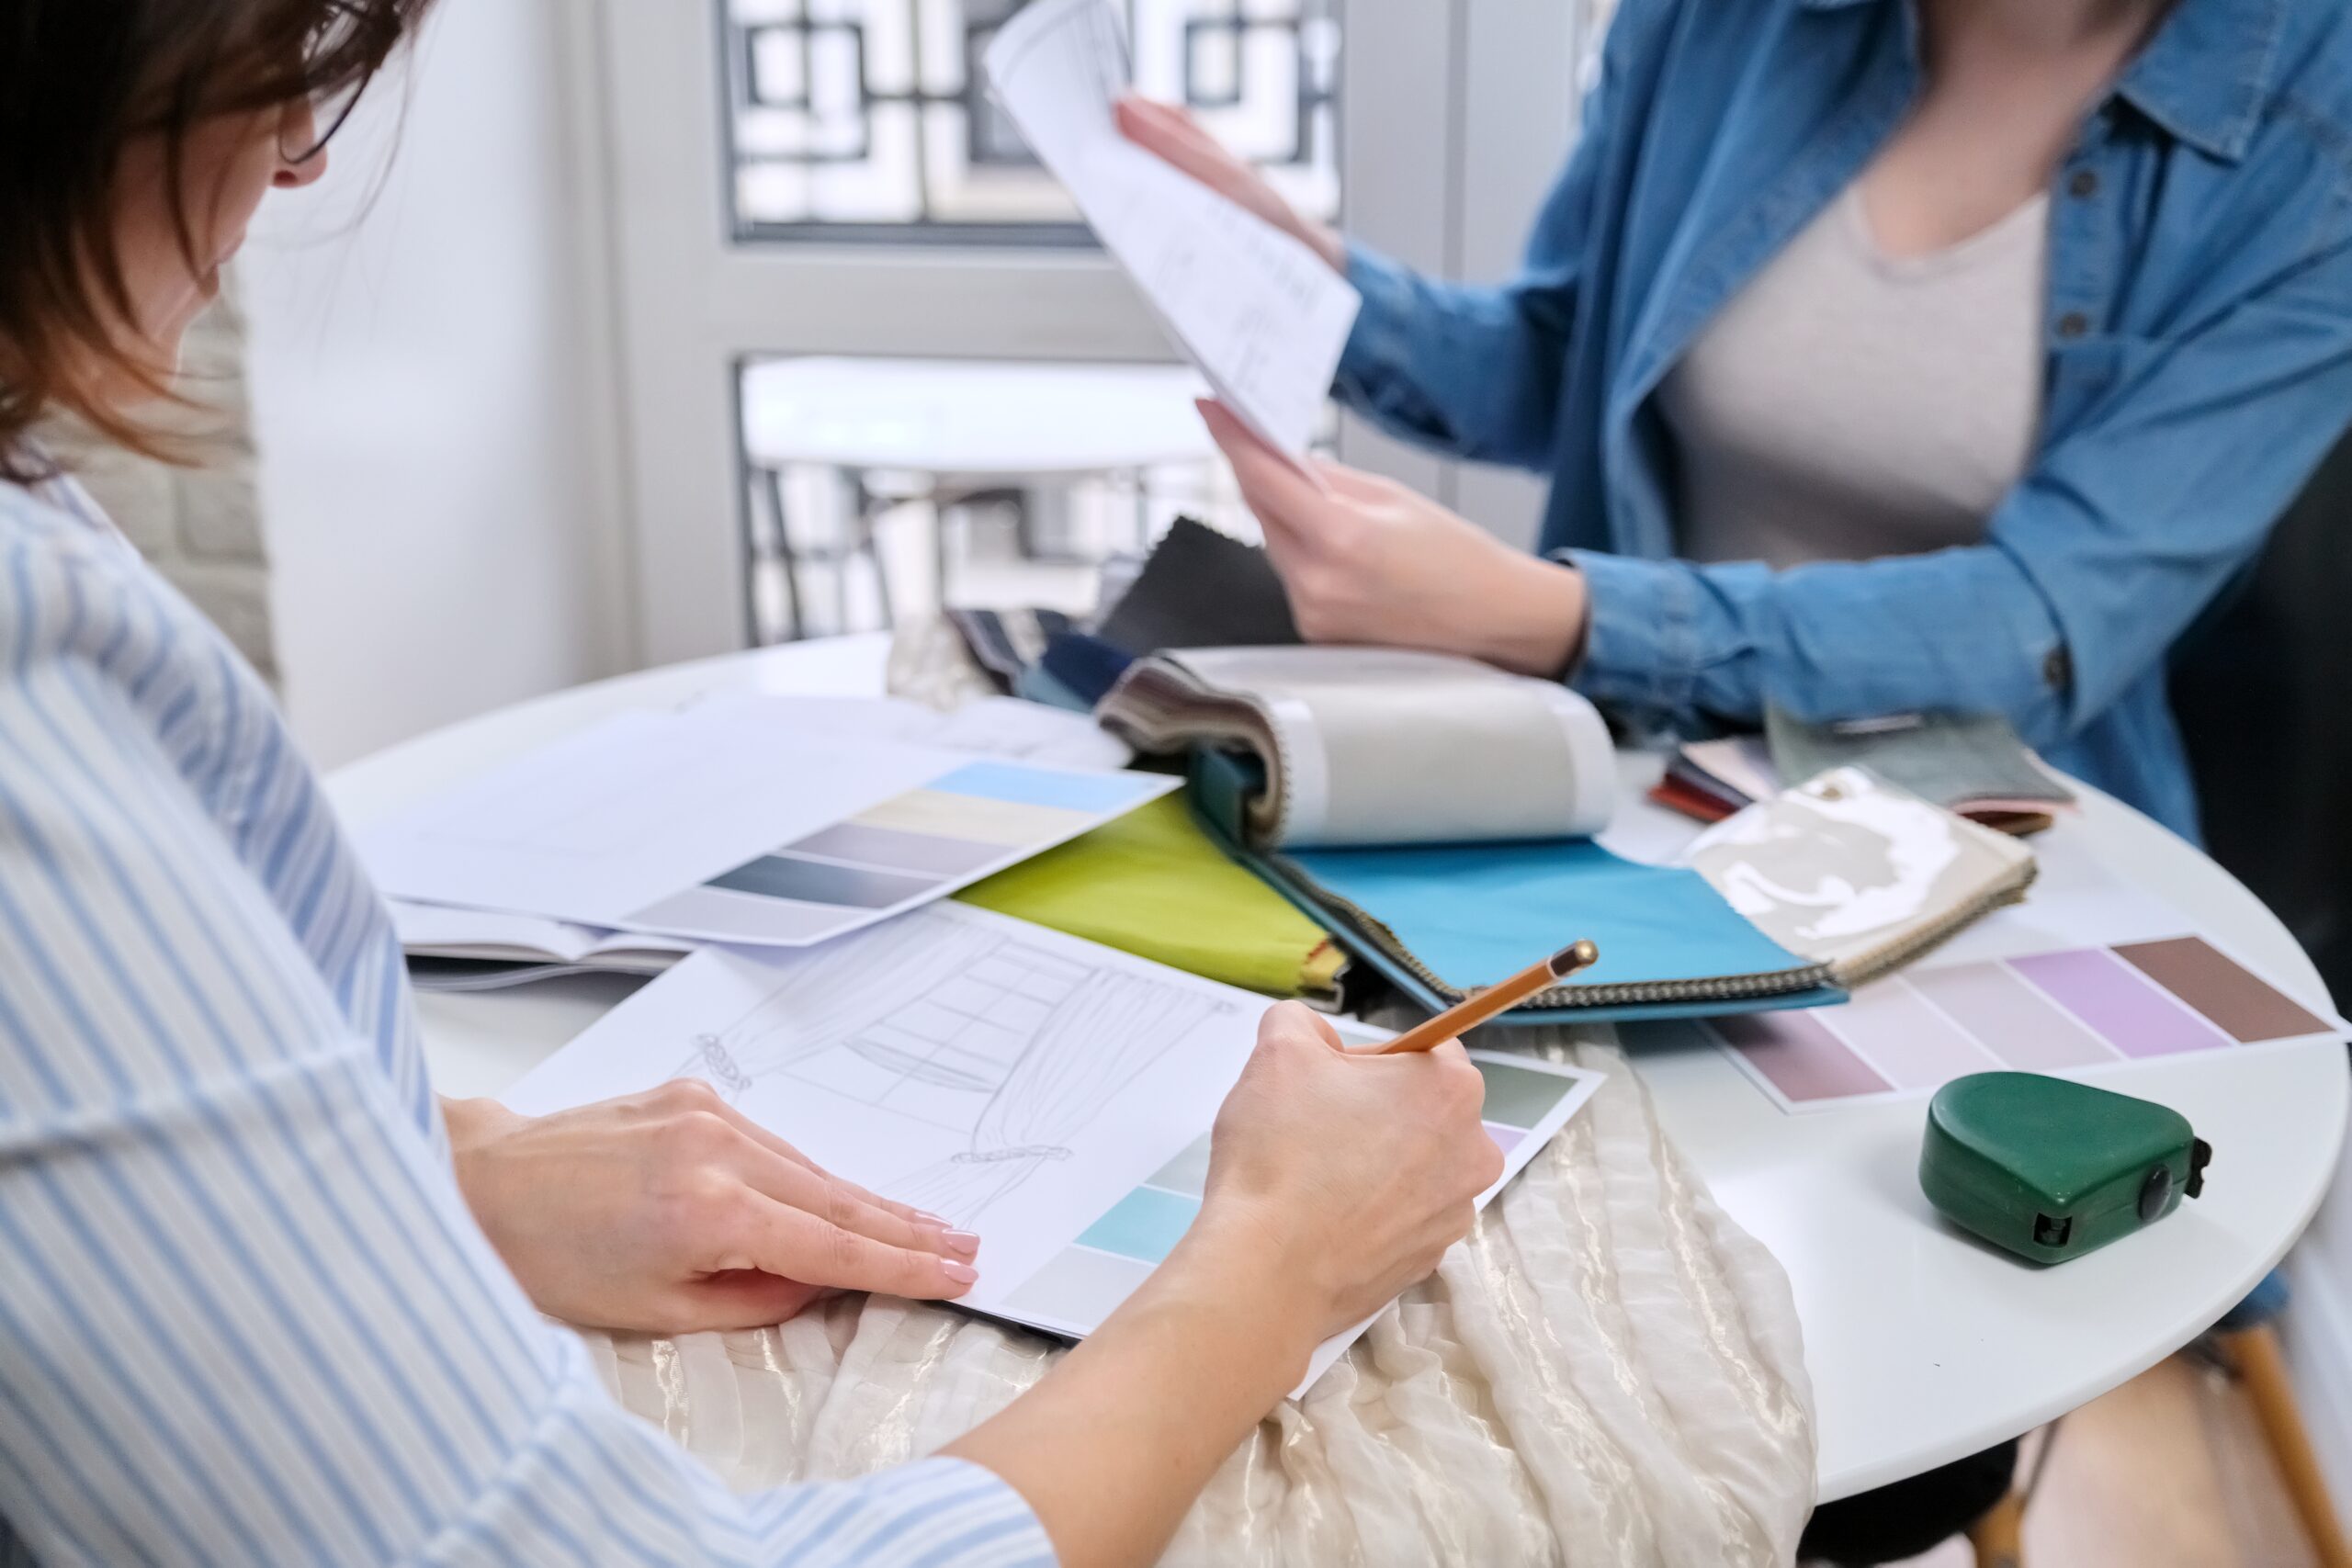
{"x":2244,"y":1007}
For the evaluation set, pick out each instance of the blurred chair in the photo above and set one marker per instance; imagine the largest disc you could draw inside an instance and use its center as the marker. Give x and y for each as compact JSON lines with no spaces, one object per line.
{"x":2263,"y":689}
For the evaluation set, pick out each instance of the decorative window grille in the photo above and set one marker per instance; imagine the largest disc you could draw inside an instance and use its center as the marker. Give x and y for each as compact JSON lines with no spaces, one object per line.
{"x":868,"y":120}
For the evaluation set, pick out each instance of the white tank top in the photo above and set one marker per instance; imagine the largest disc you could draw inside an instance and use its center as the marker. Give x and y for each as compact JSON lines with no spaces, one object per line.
{"x":1849,"y":404}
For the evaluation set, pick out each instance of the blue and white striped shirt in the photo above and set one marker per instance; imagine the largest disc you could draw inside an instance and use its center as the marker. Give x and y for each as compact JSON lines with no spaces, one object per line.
{"x":244,"y":1313}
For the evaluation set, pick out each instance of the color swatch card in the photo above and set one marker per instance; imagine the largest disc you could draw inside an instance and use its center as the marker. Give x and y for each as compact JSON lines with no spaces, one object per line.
{"x":1049,"y":1094}
{"x":2077,"y":1011}
{"x":737,"y":822}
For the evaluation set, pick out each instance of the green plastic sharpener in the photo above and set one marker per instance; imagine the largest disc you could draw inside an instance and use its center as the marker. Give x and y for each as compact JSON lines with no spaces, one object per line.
{"x":2051,"y":1169}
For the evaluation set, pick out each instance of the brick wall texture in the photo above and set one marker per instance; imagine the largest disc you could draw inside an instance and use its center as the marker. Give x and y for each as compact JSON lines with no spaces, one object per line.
{"x":199,"y":527}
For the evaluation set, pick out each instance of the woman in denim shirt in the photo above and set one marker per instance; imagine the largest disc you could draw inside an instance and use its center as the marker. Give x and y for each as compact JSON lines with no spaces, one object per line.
{"x":2188,"y":336}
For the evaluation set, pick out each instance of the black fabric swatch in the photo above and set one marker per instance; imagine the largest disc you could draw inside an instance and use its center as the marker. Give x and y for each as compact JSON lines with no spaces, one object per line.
{"x":1202,"y":589}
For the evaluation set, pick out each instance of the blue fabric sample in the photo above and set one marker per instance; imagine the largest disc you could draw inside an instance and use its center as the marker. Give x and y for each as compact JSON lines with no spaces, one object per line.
{"x":1475,"y":914}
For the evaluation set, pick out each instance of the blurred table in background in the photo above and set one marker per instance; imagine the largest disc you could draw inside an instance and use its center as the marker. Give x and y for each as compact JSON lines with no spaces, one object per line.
{"x":954,"y":435}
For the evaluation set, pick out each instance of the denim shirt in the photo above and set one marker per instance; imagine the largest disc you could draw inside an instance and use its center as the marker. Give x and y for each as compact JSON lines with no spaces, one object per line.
{"x":2199,"y":331}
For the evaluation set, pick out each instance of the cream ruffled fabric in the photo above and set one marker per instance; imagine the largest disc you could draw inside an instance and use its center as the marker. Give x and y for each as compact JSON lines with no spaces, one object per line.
{"x":1607,"y":1372}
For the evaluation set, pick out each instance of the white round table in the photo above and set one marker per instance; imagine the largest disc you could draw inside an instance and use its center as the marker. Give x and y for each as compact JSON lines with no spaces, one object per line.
{"x":947,"y":431}
{"x":1924,"y":1346}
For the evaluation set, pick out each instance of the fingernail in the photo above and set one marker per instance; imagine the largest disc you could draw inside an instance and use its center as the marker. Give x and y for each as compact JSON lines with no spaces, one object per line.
{"x":964,"y":1243}
{"x":962,"y":1273}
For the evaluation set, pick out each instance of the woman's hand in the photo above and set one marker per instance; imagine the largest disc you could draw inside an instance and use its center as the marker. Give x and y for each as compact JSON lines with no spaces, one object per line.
{"x":1367,"y":561}
{"x":1176,"y":136}
{"x":671,"y":1211}
{"x":1348,"y":1174}
{"x":1335,"y":1181}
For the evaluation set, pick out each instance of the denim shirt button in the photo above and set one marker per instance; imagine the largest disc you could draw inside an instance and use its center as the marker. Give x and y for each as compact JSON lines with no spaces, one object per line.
{"x":2073,"y":324}
{"x":2085,"y":184}
{"x":2058,"y":669}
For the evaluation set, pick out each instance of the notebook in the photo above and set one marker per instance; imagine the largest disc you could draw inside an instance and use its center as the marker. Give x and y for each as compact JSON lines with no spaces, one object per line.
{"x":482,"y":950}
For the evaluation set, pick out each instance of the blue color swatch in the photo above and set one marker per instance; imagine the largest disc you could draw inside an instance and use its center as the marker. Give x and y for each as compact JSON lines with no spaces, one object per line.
{"x":1042,"y":786}
{"x":1146,"y":1224}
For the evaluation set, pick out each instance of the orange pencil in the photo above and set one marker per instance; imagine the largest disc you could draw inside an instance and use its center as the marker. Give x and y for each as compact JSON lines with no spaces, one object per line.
{"x":1472,"y":1011}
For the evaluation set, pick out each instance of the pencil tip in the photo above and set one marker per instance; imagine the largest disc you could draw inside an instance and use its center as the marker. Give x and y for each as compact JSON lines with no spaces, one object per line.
{"x":1568,"y":960}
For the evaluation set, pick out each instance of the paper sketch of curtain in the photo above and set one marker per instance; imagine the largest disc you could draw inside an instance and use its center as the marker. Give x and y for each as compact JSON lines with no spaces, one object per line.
{"x":833,"y":995}
{"x":1094,"y":1043}
{"x":1007,"y":1045}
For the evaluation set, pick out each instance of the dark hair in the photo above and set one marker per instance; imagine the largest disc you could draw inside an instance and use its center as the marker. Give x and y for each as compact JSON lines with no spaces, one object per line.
{"x":82,"y":81}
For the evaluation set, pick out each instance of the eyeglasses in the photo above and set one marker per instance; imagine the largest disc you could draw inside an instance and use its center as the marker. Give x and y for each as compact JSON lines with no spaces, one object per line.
{"x":343,"y":35}
{"x":299,"y":141}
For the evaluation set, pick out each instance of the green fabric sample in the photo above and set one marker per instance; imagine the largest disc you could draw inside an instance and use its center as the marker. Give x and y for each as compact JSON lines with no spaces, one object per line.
{"x":1152,"y":883}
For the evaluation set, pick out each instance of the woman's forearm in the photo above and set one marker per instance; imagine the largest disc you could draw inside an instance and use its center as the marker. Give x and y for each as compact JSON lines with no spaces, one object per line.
{"x":1962,"y":631}
{"x":1111,"y":1448}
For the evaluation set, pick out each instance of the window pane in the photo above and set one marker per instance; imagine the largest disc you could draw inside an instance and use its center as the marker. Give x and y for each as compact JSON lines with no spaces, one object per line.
{"x":867,"y":119}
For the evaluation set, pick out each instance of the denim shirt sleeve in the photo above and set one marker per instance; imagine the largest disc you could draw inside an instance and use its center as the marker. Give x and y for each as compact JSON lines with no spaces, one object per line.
{"x":1476,"y":371}
{"x":2097,"y":561}
{"x":1472,"y":372}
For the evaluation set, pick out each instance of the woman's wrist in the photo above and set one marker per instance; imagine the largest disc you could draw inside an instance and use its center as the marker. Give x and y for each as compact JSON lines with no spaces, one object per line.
{"x":1243,"y":1274}
{"x":1113,"y":1446}
{"x":1327,"y":242}
{"x":1535,"y":618}
{"x":472,"y":1124}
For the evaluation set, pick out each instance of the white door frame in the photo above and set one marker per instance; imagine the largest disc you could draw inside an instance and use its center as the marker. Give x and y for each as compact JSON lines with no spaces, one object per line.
{"x":1427,"y":156}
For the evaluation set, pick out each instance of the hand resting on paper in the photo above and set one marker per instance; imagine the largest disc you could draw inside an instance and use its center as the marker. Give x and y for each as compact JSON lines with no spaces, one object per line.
{"x":1368,"y":561}
{"x":671,"y":1211}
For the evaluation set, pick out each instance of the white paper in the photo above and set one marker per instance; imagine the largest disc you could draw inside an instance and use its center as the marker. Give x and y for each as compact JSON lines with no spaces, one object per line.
{"x":1010,"y":1079}
{"x":993,"y":727}
{"x":731,"y":823}
{"x":1263,"y":316}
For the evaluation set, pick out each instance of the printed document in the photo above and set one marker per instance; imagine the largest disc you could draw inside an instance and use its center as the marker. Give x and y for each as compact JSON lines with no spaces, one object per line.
{"x":738,"y":821}
{"x":1263,"y":316}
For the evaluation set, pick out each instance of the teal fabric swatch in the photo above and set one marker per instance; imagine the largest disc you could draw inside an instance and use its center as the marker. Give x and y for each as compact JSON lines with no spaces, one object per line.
{"x":1475,"y":914}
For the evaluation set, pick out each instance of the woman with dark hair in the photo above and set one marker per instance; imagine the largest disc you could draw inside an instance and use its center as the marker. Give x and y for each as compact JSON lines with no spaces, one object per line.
{"x":1884,"y":355}
{"x":262,"y":1299}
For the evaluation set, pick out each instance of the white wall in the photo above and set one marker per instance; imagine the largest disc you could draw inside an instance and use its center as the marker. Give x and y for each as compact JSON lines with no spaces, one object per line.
{"x":431,"y":395}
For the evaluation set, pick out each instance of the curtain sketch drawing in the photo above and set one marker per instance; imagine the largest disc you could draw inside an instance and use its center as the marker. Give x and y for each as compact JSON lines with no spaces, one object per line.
{"x":1012,"y":1048}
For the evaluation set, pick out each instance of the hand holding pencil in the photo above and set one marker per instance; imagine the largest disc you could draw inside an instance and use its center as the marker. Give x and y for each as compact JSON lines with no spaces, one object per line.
{"x":1495,"y":1000}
